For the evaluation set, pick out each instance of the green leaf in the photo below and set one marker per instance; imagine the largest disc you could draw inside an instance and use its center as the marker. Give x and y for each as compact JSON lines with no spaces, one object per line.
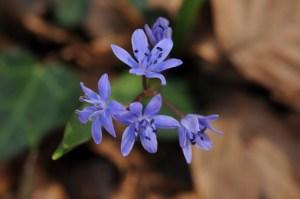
{"x":34,"y":99}
{"x":70,"y":13}
{"x":185,"y":20}
{"x":124,"y":90}
{"x":75,"y":134}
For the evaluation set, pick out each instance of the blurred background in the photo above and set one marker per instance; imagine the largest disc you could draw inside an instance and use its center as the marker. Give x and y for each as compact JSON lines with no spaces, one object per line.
{"x":241,"y":60}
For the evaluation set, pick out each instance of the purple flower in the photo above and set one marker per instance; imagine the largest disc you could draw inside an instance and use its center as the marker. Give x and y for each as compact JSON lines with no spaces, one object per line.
{"x":146,"y":62}
{"x":192,"y":131}
{"x":144,"y":124}
{"x":101,"y":110}
{"x":159,"y":31}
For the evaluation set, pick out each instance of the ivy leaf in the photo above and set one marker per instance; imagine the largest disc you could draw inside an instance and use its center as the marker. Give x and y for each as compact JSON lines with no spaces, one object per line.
{"x":34,"y":99}
{"x":75,"y":134}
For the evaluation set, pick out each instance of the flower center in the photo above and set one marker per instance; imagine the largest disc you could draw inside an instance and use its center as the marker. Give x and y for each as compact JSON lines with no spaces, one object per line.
{"x":142,"y":126}
{"x":100,"y":105}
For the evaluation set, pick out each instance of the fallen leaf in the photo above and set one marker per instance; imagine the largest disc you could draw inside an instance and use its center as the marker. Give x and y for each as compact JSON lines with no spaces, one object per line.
{"x":262,"y":39}
{"x":258,"y":156}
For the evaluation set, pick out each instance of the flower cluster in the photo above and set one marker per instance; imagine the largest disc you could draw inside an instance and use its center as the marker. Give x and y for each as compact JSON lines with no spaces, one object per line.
{"x":149,"y":61}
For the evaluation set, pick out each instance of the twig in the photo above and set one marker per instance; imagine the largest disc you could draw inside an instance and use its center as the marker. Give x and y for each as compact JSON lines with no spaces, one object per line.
{"x":173,"y":108}
{"x":150,"y":93}
{"x":43,"y":29}
{"x":145,"y":86}
{"x":26,"y":184}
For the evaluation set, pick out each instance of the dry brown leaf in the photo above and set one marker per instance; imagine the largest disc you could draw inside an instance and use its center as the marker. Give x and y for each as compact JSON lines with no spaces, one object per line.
{"x":43,"y":29}
{"x":49,"y":191}
{"x":6,"y":180}
{"x":170,"y":6}
{"x":258,"y":156}
{"x":187,"y":195}
{"x":22,"y":8}
{"x":262,"y":39}
{"x":107,"y":18}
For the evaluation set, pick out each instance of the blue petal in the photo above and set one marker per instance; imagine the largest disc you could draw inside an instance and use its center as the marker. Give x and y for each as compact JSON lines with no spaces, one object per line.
{"x":140,"y":45}
{"x":183,"y":137}
{"x":148,"y":140}
{"x":169,"y":63}
{"x":203,"y":141}
{"x":209,"y":117}
{"x":90,"y":94}
{"x":157,"y":75}
{"x":168,"y":33}
{"x":165,"y":122}
{"x":115,"y":107}
{"x":128,"y":139}
{"x":96,"y":130}
{"x":84,"y":114}
{"x":104,"y":87}
{"x":123,"y":55}
{"x":160,"y":27}
{"x":160,"y":51}
{"x":126,"y":117}
{"x":187,"y":152}
{"x":136,"y":108}
{"x":107,"y":123}
{"x":191,"y":123}
{"x":150,"y":35}
{"x":153,"y":106}
{"x":162,"y":21}
{"x":205,"y":120}
{"x":137,"y":71}
{"x":214,"y":130}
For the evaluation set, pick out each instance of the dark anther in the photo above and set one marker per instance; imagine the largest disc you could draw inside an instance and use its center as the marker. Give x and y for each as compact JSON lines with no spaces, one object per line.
{"x":147,"y":138}
{"x":161,"y":26}
{"x":202,"y":130}
{"x":155,"y":62}
{"x":146,"y":54}
{"x":159,"y":48}
{"x":193,"y":140}
{"x":201,"y":138}
{"x":160,"y":55}
{"x":136,"y":51}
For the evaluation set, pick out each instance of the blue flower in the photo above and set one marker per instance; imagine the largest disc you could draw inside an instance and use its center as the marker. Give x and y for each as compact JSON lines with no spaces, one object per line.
{"x":144,"y":124}
{"x":159,"y":31}
{"x":146,"y":62}
{"x":101,"y":110}
{"x":192,"y":131}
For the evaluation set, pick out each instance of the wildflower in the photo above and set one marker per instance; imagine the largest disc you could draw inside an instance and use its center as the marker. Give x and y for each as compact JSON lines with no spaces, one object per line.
{"x":159,"y":31}
{"x":101,"y":110}
{"x":144,"y":124}
{"x":147,"y":63}
{"x":192,"y":131}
